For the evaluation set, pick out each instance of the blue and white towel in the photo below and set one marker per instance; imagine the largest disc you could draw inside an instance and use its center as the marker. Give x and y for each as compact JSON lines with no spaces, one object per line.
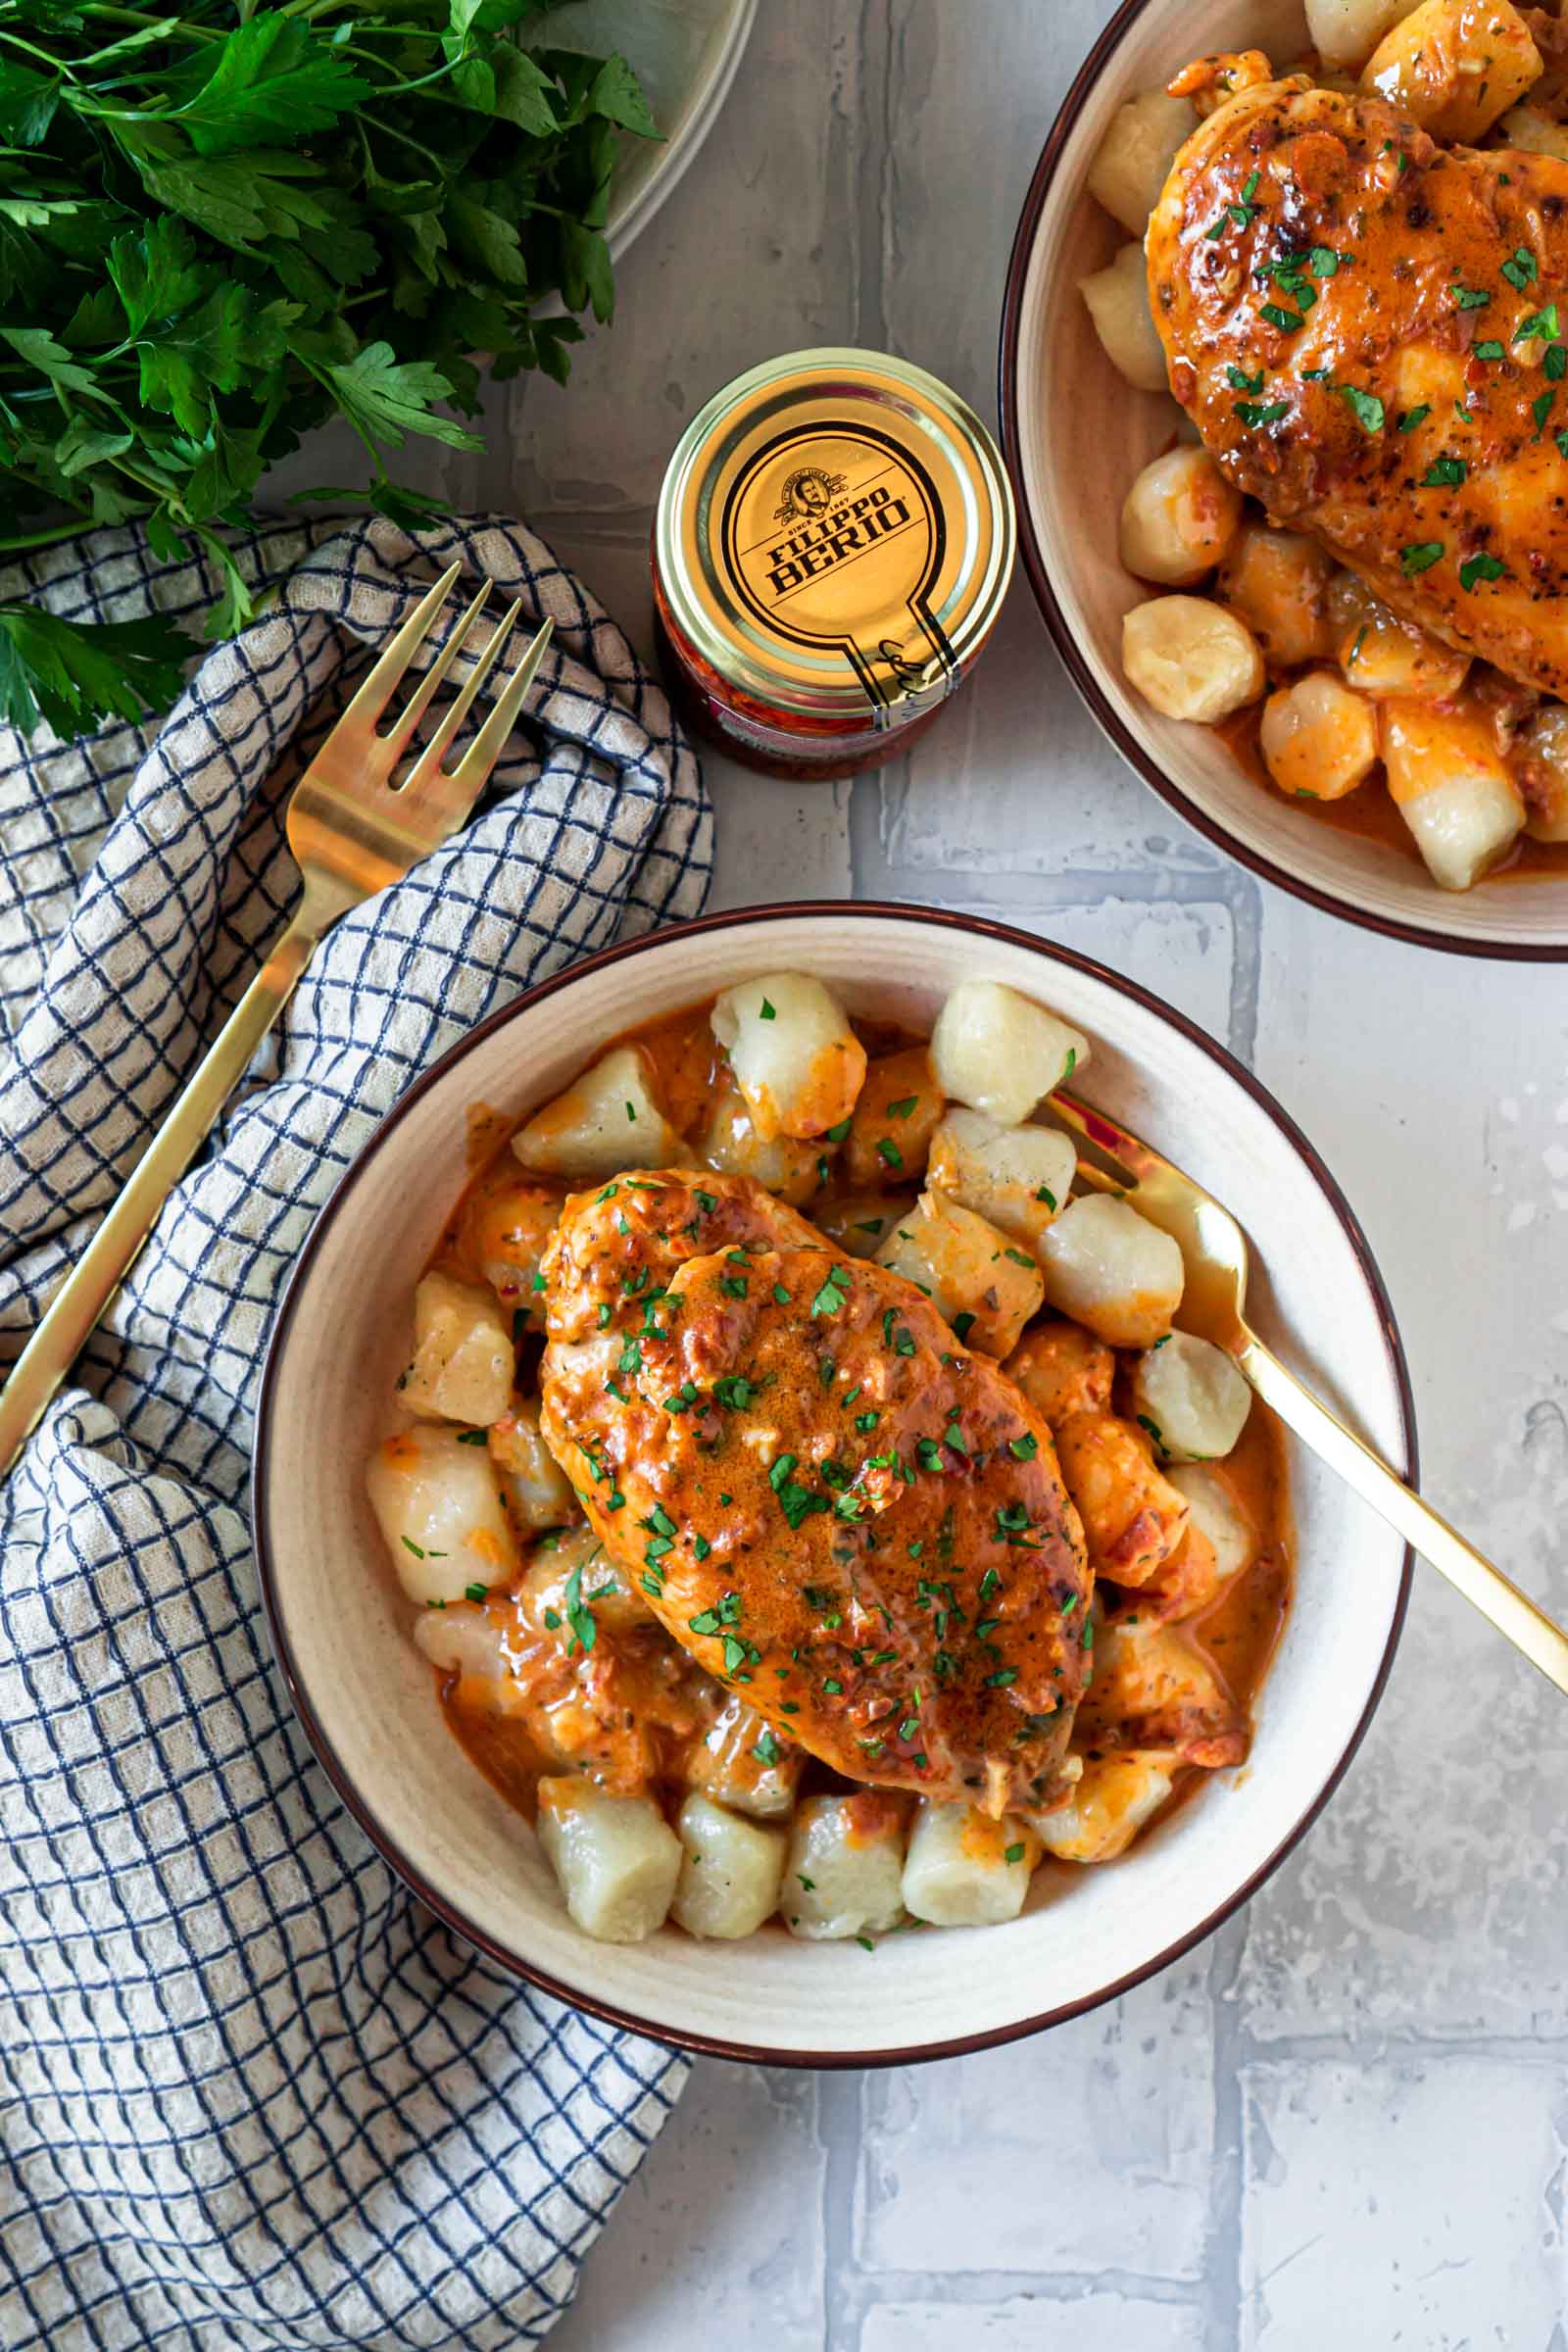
{"x":253,"y":2097}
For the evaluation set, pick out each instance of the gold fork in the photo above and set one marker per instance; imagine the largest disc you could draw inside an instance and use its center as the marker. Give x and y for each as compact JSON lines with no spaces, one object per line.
{"x":352,"y":833}
{"x":1215,"y":1249}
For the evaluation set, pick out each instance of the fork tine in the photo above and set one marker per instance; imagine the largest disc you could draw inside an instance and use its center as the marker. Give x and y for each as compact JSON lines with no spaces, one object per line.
{"x":427,"y":767}
{"x":486,"y":750}
{"x":395,"y":741}
{"x":377,"y":690}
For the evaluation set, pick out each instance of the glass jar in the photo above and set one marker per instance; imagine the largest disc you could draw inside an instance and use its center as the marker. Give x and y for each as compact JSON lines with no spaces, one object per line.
{"x":834,"y":538}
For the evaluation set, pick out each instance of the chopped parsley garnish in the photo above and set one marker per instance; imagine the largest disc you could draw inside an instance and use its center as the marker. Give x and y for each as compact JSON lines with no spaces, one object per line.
{"x":1445,"y":473}
{"x":631,"y":1113}
{"x":1240,"y":381}
{"x":473,"y":1436}
{"x":836,"y":1135}
{"x":766,"y":1011}
{"x":735,"y":1392}
{"x":1024,"y":1448}
{"x":733,"y":1285}
{"x":1012,"y":1853}
{"x":1541,"y":409}
{"x":1254,"y":412}
{"x":902,"y":1108}
{"x":1554,"y":362}
{"x":1419,"y":556}
{"x":1278,"y":316}
{"x":1540,"y":323}
{"x":952,"y":1435}
{"x":887,"y":1151}
{"x":1241,"y":213}
{"x":475,"y":1591}
{"x":1520,"y":269}
{"x":1480,"y":567}
{"x":963,"y":1325}
{"x":579,"y":1616}
{"x":712,"y":1620}
{"x":1414,"y":417}
{"x":766,"y":1748}
{"x":833,"y":1295}
{"x":706,"y":1201}
{"x":781,"y":1297}
{"x":1019,"y":1258}
{"x":1323,"y":261}
{"x":1490,"y":350}
{"x":1364,"y":406}
{"x":1471,"y":298}
{"x":1002,"y":1678}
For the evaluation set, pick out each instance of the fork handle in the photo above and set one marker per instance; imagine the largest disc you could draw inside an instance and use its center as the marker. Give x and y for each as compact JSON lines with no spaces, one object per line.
{"x":1513,"y":1613}
{"x":74,"y":1309}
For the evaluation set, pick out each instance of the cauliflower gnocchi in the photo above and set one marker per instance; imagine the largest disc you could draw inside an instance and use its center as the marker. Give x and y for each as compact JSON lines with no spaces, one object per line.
{"x":1179,"y":520}
{"x":1191,"y":659}
{"x":1117,"y":298}
{"x":794,"y":1055}
{"x":1136,"y":154}
{"x":978,"y":1281}
{"x":675,"y":1777}
{"x":995,"y":1052}
{"x":590,"y":1131}
{"x":1018,"y":1178}
{"x":1112,"y":1271}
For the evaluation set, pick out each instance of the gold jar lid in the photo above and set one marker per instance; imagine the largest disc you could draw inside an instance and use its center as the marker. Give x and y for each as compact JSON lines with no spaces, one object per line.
{"x":834,"y":536}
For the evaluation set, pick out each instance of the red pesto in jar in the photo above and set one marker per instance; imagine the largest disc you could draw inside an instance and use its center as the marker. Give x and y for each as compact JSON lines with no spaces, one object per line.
{"x":834,"y":538}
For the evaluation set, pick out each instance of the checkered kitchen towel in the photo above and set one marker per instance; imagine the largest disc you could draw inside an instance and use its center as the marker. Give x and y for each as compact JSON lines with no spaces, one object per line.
{"x":252,"y":2094}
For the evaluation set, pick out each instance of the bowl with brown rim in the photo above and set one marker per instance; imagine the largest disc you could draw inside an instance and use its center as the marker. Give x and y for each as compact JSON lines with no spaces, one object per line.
{"x":366,"y":1698}
{"x":1075,"y":434}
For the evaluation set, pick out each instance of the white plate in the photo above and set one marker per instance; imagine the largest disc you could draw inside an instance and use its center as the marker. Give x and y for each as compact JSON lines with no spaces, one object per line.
{"x":1076,"y":433}
{"x":685,"y":53}
{"x":340,"y":1624}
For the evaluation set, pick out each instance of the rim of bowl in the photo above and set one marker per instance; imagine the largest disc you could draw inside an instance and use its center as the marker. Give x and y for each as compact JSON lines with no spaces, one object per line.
{"x":1066,"y":644}
{"x":359,"y":1805}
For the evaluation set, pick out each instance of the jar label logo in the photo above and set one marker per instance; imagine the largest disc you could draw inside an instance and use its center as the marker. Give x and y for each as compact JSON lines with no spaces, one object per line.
{"x":842,"y":553}
{"x":808,"y":493}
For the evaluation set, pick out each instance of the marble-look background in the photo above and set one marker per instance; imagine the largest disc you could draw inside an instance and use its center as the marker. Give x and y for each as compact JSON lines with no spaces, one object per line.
{"x":1344,"y":2120}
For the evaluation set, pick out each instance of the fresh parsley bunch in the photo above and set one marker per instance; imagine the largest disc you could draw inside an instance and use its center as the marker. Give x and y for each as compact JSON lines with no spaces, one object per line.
{"x":221,"y":224}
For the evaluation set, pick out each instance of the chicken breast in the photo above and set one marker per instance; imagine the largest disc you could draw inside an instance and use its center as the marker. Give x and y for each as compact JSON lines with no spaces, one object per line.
{"x":826,"y":1499}
{"x":1368,"y":331}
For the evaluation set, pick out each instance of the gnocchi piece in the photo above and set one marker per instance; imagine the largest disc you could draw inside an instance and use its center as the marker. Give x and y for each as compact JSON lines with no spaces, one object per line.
{"x":1278,"y":582}
{"x":996,"y":1052}
{"x":1109,"y":1806}
{"x":1344,"y":32}
{"x":1133,"y":1517}
{"x":1190,"y":1398}
{"x":1179,"y":520}
{"x":895,"y":1118}
{"x":1541,"y":771}
{"x":1119,"y":305}
{"x":1016,"y":1177}
{"x":725,"y":1766}
{"x":571,"y":1563}
{"x":1452,"y":788}
{"x":438,"y":1503}
{"x":795,"y":1059}
{"x":537,"y":1491}
{"x":1381,"y":655}
{"x":503,"y":1233}
{"x":1219,"y":1515}
{"x":860,"y":1222}
{"x":463,"y":1354}
{"x":843,"y":1874}
{"x":1455,"y":66}
{"x":1191,"y":659}
{"x":616,"y":1858}
{"x":1110,"y":1269}
{"x":1153,"y":1689}
{"x":606,"y":1121}
{"x":1185,"y":1585}
{"x":1537,"y":133}
{"x":1134,"y":158}
{"x":730,"y":1875}
{"x":791,"y":1169}
{"x":975,"y":1278}
{"x":1062,"y":1369}
{"x":965,"y":1870}
{"x":1319,"y":740}
{"x":460,"y":1639}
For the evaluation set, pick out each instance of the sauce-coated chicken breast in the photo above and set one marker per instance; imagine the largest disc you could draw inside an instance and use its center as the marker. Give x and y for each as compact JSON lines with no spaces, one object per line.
{"x":1368,"y":330}
{"x":829,"y":1501}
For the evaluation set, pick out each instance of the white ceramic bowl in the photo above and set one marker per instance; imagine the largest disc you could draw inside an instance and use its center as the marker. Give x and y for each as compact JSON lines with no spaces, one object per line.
{"x":366,"y":1698}
{"x":1076,"y":433}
